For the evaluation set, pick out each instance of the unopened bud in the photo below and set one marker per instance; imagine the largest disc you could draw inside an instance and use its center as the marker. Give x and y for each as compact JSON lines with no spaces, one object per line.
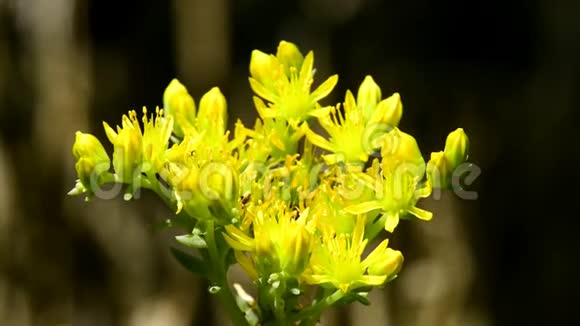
{"x":389,"y":111}
{"x":213,"y":116}
{"x":90,"y":156}
{"x":263,"y":67}
{"x":401,"y":148}
{"x":438,"y":171}
{"x":369,"y":94}
{"x":456,"y":148}
{"x":180,"y":105}
{"x":289,"y":55}
{"x":389,"y":266}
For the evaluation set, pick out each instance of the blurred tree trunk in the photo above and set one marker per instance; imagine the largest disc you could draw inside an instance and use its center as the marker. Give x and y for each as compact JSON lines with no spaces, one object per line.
{"x":202,"y":43}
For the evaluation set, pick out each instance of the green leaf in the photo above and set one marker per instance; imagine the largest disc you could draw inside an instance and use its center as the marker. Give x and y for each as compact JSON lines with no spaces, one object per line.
{"x":192,"y":263}
{"x":362,"y":299}
{"x":192,"y":241}
{"x":352,"y":297}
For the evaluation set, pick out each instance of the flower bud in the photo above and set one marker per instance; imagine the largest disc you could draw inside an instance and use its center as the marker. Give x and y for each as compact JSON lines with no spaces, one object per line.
{"x":369,"y":94}
{"x":219,"y":181}
{"x":289,"y":55}
{"x":390,"y":265}
{"x":264,"y":67}
{"x":208,"y":193}
{"x":299,"y":248}
{"x":180,"y":105}
{"x":401,"y":148}
{"x":213,"y":116}
{"x":389,"y":111}
{"x":194,"y":203}
{"x":456,"y":148}
{"x":90,"y":156}
{"x":438,"y":171}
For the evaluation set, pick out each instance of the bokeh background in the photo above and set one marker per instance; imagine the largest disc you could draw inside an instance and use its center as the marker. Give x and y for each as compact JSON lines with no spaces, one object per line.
{"x":506,"y":71}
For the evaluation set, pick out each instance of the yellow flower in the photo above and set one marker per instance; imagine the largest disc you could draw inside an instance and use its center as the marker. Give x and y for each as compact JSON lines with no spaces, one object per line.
{"x":179,"y":104}
{"x":347,"y":134}
{"x":127,"y":142}
{"x":398,"y":186}
{"x":203,"y":177}
{"x":281,"y":241}
{"x":156,"y":133}
{"x":256,"y":147}
{"x":136,"y":151}
{"x":356,"y":133}
{"x":284,"y":81}
{"x":327,"y":206}
{"x":282,"y":138}
{"x":91,"y":159}
{"x":337,"y":261}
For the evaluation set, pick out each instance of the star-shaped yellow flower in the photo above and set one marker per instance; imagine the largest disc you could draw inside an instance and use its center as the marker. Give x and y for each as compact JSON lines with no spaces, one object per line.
{"x":284,"y":81}
{"x":338,"y":261}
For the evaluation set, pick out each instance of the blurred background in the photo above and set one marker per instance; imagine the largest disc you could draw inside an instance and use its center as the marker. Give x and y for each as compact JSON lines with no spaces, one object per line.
{"x":505,"y":71}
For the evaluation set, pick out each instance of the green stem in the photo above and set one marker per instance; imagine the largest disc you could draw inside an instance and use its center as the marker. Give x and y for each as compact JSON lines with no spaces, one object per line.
{"x":212,"y":246}
{"x":372,"y":230}
{"x":218,"y":277}
{"x":279,"y":311}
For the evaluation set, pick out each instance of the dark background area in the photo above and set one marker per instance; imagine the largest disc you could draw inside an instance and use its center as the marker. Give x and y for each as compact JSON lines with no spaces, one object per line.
{"x":505,"y":71}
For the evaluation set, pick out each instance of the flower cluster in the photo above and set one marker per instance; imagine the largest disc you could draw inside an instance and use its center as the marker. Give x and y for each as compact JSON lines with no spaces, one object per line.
{"x":297,"y":206}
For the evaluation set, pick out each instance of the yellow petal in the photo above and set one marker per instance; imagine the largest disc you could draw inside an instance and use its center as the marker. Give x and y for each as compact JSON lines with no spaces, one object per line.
{"x":316,"y":139}
{"x":263,"y":111}
{"x":359,"y":231}
{"x":376,"y":255}
{"x":246,"y":264}
{"x":421,"y":213}
{"x":369,"y":94}
{"x":321,"y":112}
{"x":332,"y":159}
{"x":289,"y":55}
{"x":391,"y":222}
{"x":365,"y":207}
{"x":373,"y":280}
{"x":424,"y":191}
{"x":306,"y":70}
{"x":324,"y":89}
{"x":111,"y":134}
{"x":238,"y":239}
{"x":274,"y":140}
{"x":262,"y":91}
{"x":316,"y":279}
{"x":349,"y":102}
